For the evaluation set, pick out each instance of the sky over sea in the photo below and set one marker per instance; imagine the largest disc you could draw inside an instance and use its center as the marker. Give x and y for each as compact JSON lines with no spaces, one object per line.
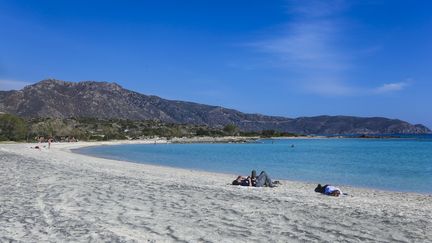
{"x":287,"y":58}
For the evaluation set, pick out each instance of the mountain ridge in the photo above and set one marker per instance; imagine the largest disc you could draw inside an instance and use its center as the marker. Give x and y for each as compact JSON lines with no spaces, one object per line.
{"x":104,"y":100}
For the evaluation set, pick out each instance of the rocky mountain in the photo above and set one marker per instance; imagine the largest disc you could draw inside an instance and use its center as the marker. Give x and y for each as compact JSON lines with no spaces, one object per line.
{"x":55,"y":98}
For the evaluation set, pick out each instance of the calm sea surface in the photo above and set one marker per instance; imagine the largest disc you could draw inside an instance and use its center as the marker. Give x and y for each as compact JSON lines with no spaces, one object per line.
{"x":391,"y":164}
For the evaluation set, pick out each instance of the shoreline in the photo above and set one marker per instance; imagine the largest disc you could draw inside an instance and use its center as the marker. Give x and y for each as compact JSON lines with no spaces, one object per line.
{"x":190,"y":141}
{"x":209,"y":139}
{"x":58,"y":195}
{"x":71,"y":146}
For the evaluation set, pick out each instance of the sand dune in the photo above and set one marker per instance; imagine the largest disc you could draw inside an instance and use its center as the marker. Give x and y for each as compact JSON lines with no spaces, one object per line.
{"x":55,"y":195}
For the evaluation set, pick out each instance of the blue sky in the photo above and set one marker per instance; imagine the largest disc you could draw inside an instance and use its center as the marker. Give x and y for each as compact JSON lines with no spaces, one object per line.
{"x":288,"y":58}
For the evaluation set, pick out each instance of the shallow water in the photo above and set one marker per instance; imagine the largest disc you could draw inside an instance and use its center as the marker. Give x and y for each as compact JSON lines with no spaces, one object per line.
{"x":391,"y":164}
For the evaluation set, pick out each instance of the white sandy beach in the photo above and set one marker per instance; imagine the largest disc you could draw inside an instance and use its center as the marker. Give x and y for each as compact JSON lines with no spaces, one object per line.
{"x":54,"y":195}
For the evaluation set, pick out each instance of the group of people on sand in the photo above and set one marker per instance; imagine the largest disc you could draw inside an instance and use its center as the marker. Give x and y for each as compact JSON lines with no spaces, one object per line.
{"x":264,"y":180}
{"x":51,"y":140}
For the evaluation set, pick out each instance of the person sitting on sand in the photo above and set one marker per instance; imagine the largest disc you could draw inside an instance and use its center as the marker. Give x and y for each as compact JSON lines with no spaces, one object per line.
{"x":328,"y":190}
{"x":262,"y":180}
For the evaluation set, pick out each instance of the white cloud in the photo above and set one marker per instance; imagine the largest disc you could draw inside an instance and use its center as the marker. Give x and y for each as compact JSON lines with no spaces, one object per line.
{"x":309,"y":46}
{"x":329,"y":88}
{"x":390,"y":87}
{"x":12,"y":84}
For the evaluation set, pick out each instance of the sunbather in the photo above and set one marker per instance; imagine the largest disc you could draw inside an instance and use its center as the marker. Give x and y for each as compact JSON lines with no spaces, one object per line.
{"x":242,"y":181}
{"x":262,"y":180}
{"x":328,"y":190}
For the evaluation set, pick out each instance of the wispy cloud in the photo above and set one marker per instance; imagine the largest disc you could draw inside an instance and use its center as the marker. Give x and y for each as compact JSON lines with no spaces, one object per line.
{"x":307,"y":44}
{"x":390,"y":87}
{"x":311,"y":46}
{"x":12,"y":84}
{"x":330,"y":88}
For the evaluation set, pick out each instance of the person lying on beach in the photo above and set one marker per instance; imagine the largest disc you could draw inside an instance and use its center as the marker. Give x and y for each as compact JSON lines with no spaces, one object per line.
{"x":242,"y":181}
{"x":262,"y":180}
{"x":328,"y":190}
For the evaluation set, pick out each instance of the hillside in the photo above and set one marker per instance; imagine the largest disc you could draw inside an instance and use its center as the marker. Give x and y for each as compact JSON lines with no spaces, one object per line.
{"x":103,"y":100}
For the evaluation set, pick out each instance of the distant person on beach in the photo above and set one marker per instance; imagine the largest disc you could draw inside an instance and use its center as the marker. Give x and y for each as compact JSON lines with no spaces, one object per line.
{"x":328,"y":190}
{"x":261,"y":181}
{"x":50,"y":140}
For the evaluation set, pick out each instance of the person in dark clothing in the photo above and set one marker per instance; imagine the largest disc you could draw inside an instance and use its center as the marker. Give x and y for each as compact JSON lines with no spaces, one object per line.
{"x":242,"y":181}
{"x":253,"y":177}
{"x":261,"y":181}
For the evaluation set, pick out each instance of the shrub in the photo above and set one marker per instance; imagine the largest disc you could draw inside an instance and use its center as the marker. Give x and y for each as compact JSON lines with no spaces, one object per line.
{"x":12,"y":128}
{"x":230,"y":129}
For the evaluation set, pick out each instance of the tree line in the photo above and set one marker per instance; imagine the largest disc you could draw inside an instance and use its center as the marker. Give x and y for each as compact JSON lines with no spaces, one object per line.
{"x":14,"y":128}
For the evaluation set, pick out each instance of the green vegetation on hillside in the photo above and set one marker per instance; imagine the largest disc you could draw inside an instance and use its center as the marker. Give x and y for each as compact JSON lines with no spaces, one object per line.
{"x":14,"y":128}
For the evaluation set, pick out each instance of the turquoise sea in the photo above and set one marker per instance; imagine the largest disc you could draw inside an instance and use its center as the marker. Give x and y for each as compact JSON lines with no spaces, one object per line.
{"x":390,"y":164}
